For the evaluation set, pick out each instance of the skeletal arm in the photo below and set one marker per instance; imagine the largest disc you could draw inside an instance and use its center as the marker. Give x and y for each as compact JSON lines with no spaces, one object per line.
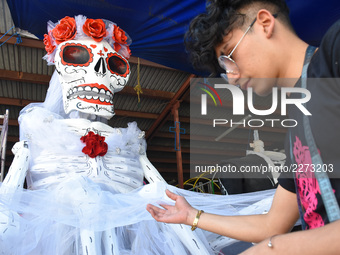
{"x":17,"y":172}
{"x":150,"y":172}
{"x":9,"y":220}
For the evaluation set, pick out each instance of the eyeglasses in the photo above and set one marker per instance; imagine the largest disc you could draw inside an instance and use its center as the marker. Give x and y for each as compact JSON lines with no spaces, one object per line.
{"x":226,"y":62}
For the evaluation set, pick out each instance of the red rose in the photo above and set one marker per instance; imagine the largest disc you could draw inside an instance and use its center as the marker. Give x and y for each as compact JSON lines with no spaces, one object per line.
{"x":117,"y":47}
{"x":49,"y":47}
{"x":95,"y":145}
{"x":95,"y":28}
{"x":65,"y":30}
{"x":119,"y":35}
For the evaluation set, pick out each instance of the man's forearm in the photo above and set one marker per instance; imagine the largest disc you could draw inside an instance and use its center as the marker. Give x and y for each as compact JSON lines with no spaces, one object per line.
{"x":323,"y":240}
{"x":249,"y":228}
{"x":281,"y":217}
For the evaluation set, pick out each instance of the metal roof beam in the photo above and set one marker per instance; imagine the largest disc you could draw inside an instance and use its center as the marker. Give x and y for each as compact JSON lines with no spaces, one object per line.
{"x":24,"y":77}
{"x":27,"y":42}
{"x":165,"y":113}
{"x":45,"y":79}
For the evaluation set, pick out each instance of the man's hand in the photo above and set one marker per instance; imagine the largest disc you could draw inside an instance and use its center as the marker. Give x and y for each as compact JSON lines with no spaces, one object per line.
{"x":181,"y":213}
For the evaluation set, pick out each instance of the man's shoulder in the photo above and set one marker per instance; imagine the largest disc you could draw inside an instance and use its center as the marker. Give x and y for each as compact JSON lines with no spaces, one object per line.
{"x":335,"y":26}
{"x":324,"y":63}
{"x":332,"y":35}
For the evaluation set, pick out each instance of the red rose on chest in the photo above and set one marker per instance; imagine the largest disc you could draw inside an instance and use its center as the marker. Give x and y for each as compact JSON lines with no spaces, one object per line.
{"x":94,"y":145}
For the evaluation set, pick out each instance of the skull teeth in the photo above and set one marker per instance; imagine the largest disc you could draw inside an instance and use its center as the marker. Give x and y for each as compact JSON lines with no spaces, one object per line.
{"x":90,"y":93}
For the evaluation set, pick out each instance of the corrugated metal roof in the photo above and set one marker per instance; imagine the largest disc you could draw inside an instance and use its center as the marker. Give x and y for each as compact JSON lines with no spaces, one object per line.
{"x":13,"y":111}
{"x":6,"y":21}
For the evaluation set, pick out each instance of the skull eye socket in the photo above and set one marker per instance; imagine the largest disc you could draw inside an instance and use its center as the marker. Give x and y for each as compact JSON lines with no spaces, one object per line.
{"x":76,"y":55}
{"x":117,"y":64}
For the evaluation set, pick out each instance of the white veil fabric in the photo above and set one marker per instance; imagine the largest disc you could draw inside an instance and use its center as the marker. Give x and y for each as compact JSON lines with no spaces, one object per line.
{"x":48,"y":216}
{"x":49,"y":225}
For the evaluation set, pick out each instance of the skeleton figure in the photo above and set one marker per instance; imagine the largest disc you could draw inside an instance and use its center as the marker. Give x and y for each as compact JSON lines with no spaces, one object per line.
{"x":63,"y":153}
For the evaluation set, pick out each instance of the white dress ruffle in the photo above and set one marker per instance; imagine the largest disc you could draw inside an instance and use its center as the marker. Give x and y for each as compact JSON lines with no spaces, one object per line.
{"x":50,"y":217}
{"x":49,"y":223}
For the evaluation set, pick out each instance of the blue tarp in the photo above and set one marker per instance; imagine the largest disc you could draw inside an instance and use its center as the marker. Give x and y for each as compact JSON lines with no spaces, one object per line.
{"x":157,"y":27}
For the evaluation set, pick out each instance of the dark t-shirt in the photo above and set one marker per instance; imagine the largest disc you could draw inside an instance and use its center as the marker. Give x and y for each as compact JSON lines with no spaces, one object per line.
{"x":324,"y":106}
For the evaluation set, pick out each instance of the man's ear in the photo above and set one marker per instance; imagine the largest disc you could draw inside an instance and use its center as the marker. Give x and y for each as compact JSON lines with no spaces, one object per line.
{"x":267,"y":21}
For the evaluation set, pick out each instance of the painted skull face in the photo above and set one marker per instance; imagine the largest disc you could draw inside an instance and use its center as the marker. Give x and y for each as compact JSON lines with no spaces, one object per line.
{"x":90,"y":73}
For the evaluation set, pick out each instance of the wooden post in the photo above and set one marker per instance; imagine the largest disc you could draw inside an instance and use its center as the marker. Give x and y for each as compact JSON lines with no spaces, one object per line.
{"x":178,"y":145}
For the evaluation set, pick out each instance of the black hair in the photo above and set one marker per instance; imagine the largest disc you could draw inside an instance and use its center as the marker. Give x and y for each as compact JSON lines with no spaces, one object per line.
{"x":207,"y":30}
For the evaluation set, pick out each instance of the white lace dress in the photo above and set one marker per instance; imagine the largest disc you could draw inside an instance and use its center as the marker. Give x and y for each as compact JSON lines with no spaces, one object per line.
{"x":69,"y":192}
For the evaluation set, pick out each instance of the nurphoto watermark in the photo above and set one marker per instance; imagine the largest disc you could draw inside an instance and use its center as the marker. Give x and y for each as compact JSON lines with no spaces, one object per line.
{"x":236,"y":132}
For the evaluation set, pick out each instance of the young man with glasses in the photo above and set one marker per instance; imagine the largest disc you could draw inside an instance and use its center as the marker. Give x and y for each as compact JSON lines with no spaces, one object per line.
{"x":252,"y":43}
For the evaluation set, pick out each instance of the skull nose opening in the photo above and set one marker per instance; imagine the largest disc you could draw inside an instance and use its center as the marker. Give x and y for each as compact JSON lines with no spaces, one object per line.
{"x":100,"y":66}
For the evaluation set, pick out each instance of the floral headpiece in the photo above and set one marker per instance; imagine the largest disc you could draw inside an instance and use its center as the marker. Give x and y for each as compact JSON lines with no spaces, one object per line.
{"x":80,"y":27}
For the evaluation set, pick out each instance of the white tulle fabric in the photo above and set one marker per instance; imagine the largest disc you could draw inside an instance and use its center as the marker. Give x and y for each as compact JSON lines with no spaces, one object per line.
{"x":50,"y":216}
{"x":49,"y":225}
